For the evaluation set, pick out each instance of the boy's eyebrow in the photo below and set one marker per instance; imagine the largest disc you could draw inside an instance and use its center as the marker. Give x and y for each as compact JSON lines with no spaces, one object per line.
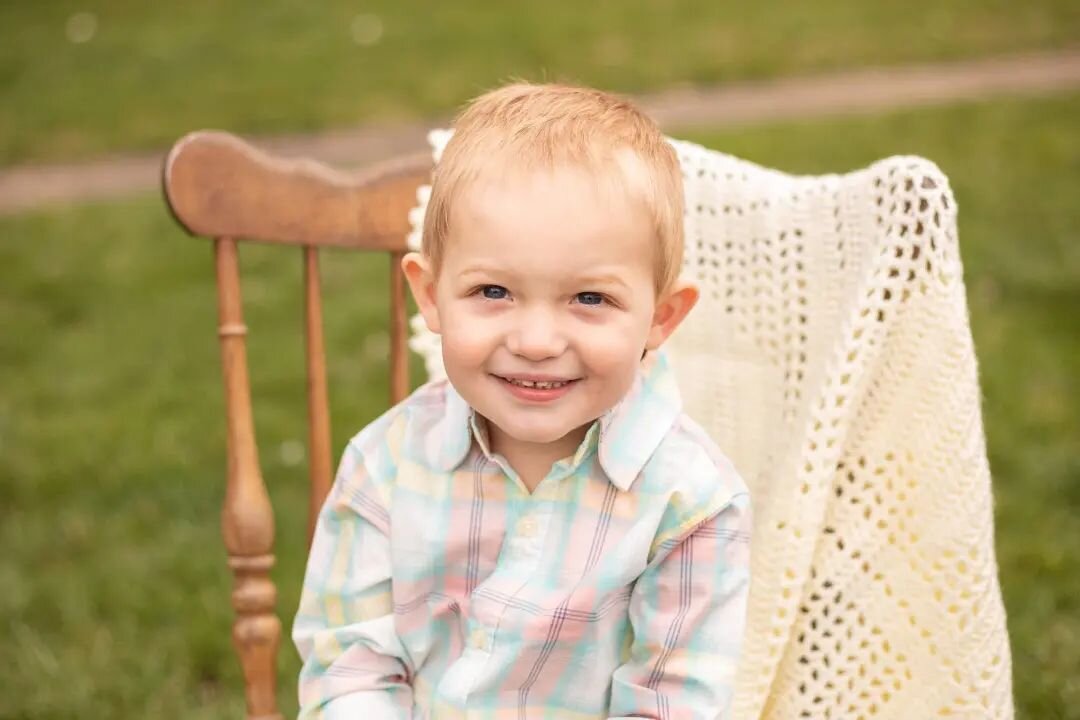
{"x":604,"y":276}
{"x":600,"y":279}
{"x":482,"y":269}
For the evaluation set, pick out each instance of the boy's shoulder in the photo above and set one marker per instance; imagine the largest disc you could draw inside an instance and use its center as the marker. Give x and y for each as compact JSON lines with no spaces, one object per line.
{"x":691,"y":474}
{"x":687,"y":445}
{"x":407,"y":423}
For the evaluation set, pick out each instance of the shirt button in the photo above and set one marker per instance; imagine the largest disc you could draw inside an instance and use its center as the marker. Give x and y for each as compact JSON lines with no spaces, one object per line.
{"x":527,"y":527}
{"x":478,"y":639}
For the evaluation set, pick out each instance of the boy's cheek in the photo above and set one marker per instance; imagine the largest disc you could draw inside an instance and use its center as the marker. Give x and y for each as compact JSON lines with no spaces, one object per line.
{"x":466,"y":345}
{"x":613,"y":343}
{"x":465,"y":329}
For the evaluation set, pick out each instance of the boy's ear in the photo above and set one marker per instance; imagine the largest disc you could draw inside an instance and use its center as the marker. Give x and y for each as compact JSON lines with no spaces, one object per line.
{"x":421,"y":280}
{"x":671,"y":309}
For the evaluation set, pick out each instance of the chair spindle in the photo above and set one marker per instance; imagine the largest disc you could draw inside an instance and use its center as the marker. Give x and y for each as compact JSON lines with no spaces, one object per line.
{"x":319,"y":464}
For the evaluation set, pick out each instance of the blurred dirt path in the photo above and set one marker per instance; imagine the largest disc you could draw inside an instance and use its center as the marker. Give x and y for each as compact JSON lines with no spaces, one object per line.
{"x":850,"y":92}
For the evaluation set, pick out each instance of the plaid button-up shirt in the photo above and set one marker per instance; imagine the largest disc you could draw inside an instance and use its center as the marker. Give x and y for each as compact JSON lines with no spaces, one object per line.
{"x":439,"y":587}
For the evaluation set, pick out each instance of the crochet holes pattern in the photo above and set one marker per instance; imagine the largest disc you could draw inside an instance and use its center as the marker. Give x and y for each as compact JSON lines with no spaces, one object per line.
{"x":796,"y":306}
{"x":746,"y":250}
{"x":834,"y":633}
{"x":873,"y":551}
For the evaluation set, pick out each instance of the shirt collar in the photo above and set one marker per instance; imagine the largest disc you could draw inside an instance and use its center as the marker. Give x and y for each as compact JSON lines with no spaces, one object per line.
{"x":457,"y":430}
{"x":626,"y":436}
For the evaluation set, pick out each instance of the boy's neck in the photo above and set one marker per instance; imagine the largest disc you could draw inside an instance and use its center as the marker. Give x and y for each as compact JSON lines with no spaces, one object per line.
{"x":532,"y":461}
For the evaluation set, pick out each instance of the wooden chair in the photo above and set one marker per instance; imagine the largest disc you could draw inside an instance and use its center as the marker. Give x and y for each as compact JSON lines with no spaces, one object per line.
{"x":830,"y":356}
{"x":220,"y":187}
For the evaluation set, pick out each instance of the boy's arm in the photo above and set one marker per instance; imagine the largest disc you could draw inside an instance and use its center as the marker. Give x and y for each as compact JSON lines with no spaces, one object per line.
{"x":354,"y":664}
{"x":688,"y":612}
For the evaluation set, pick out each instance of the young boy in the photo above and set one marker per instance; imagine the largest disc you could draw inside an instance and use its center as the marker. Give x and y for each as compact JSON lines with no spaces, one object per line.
{"x":544,"y":535}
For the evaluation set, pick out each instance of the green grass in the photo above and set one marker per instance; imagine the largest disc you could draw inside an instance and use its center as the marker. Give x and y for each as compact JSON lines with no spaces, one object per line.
{"x":111,"y":441}
{"x":155,"y":70}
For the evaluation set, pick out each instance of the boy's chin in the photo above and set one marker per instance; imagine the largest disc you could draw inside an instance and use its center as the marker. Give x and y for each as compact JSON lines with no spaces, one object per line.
{"x":537,"y":434}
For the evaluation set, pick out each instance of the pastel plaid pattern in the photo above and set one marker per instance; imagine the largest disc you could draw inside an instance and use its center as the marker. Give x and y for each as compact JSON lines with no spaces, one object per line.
{"x":439,"y":587}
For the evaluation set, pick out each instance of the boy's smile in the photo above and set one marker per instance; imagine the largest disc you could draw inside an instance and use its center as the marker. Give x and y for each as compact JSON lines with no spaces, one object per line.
{"x":546,"y":301}
{"x":536,"y":388}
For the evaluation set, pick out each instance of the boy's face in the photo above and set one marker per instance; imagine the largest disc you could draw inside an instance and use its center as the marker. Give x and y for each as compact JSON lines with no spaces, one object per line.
{"x":545,"y":301}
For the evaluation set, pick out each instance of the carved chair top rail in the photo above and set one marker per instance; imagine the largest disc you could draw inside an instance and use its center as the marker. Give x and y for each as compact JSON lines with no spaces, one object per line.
{"x":218,"y":185}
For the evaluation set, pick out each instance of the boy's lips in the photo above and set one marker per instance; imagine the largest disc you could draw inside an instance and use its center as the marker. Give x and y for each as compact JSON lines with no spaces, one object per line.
{"x":536,"y":388}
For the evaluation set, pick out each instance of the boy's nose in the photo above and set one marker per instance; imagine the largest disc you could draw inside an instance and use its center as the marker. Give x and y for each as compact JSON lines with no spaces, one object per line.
{"x":536,"y":337}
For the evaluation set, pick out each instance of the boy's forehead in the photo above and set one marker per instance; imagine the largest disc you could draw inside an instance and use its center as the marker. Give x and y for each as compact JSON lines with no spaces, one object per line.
{"x":542,"y":205}
{"x":549,"y":226}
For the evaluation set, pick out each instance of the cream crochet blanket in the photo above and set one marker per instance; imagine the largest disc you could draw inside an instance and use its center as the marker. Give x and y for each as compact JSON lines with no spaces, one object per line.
{"x":830,"y":356}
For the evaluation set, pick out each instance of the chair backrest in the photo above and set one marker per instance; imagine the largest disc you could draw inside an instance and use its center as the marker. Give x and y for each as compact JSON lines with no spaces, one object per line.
{"x":220,"y":187}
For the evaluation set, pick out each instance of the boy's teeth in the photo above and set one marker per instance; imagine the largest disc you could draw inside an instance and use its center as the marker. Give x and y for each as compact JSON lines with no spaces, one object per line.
{"x":538,"y":385}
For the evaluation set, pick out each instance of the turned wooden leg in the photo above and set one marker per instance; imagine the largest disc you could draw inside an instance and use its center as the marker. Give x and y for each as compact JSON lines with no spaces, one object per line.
{"x":247,"y":519}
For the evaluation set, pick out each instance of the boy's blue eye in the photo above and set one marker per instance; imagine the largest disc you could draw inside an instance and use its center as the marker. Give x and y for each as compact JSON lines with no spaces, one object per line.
{"x":493,"y":292}
{"x":590,"y":298}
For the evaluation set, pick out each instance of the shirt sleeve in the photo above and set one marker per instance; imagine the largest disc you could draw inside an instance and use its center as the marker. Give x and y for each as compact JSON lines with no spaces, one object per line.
{"x":688,"y":614}
{"x":354,"y":664}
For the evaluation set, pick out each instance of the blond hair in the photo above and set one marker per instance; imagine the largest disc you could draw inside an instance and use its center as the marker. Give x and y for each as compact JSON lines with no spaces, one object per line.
{"x":548,"y":126}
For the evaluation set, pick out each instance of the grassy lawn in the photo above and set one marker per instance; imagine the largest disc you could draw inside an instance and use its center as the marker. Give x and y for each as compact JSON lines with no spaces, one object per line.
{"x":111,"y":439}
{"x":145,"y":73}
